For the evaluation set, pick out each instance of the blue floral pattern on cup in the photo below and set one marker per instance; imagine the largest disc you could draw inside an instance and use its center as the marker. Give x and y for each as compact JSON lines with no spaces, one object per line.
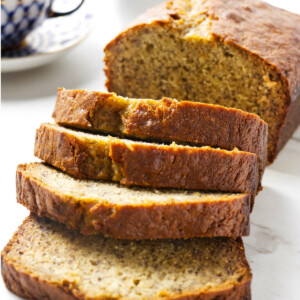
{"x":54,"y":35}
{"x":18,"y":18}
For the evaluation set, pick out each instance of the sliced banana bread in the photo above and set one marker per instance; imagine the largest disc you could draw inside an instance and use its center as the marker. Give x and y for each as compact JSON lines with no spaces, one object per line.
{"x":165,"y":120}
{"x":130,"y":213}
{"x":236,"y":53}
{"x":90,"y":156}
{"x":44,"y":260}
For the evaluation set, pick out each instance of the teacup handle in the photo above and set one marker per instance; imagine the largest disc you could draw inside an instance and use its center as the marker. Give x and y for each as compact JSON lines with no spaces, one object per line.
{"x":54,"y":14}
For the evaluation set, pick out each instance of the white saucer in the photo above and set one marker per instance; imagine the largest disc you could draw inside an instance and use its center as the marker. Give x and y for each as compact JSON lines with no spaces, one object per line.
{"x":49,"y":41}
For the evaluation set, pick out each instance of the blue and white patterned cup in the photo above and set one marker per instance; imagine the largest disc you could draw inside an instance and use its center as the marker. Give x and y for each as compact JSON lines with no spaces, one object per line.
{"x":20,"y":17}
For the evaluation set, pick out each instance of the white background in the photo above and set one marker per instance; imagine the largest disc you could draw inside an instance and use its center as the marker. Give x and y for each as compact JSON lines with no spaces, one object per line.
{"x":273,"y":248}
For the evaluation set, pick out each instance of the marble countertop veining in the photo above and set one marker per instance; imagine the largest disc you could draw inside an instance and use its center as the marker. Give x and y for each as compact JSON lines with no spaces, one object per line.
{"x":273,"y":247}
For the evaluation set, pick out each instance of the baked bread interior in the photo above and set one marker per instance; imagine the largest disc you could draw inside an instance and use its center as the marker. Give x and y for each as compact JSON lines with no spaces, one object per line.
{"x":164,"y":120}
{"x":44,"y":260}
{"x":91,"y":156}
{"x":130,"y":213}
{"x":243,"y":54}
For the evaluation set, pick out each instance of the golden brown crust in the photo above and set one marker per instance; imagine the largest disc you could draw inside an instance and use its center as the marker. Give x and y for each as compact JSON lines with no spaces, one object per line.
{"x":203,"y":124}
{"x":167,"y":120}
{"x":148,"y":164}
{"x":272,"y":33}
{"x":25,"y":284}
{"x":291,"y":123}
{"x":275,"y":40}
{"x":185,"y":168}
{"x":29,"y":285}
{"x":224,"y":217}
{"x":269,"y":34}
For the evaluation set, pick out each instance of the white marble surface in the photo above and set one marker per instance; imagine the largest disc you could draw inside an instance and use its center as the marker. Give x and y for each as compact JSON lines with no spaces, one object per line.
{"x":273,"y":248}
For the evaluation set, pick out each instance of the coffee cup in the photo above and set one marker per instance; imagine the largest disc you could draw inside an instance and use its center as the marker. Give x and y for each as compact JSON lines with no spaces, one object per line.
{"x":20,"y":17}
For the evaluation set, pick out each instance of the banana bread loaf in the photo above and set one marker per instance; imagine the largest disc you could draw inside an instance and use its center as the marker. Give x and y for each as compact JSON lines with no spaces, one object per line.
{"x":243,"y":54}
{"x":90,"y":156}
{"x":166,"y":120}
{"x":44,"y":260}
{"x":130,"y":213}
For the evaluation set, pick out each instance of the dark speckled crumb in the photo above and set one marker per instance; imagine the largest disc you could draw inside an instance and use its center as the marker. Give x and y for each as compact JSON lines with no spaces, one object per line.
{"x":199,"y":268}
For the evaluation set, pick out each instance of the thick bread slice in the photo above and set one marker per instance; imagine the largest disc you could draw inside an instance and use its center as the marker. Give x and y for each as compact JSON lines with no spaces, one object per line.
{"x":166,"y":120}
{"x":90,"y":156}
{"x":130,"y":213}
{"x":44,"y":260}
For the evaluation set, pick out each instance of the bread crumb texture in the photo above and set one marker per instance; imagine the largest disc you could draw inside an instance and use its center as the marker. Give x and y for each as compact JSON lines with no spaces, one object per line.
{"x":243,"y":54}
{"x":91,"y":156}
{"x":103,"y":268}
{"x":130,"y":213}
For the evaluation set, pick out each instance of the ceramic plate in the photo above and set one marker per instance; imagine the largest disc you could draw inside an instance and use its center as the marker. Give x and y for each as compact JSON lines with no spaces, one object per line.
{"x":49,"y":41}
